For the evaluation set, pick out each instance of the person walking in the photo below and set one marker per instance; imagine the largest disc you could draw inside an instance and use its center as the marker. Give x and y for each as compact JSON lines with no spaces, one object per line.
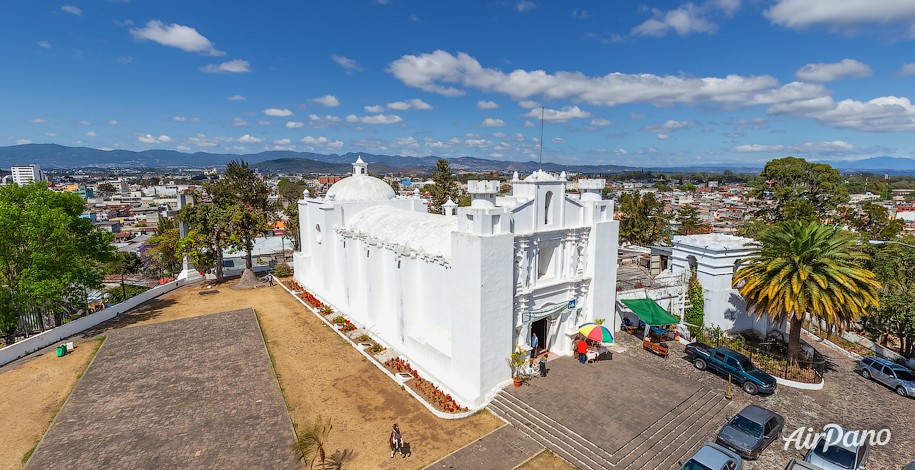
{"x":582,"y":349}
{"x":543,"y":359}
{"x":397,"y":442}
{"x":270,"y":279}
{"x":535,"y":341}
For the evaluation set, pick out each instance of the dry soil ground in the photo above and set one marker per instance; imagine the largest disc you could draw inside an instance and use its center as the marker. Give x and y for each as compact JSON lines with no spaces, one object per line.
{"x":320,"y":375}
{"x":546,"y":460}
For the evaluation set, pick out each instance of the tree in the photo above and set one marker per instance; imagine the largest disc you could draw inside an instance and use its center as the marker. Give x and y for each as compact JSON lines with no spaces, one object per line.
{"x":161,"y":254}
{"x":662,"y":186}
{"x":312,"y":441}
{"x":804,"y":267}
{"x":49,"y":256}
{"x":895,"y":268}
{"x":290,"y":192}
{"x":642,"y":219}
{"x":444,"y":187}
{"x":124,"y":263}
{"x":244,"y":199}
{"x":207,"y":237}
{"x":106,"y":188}
{"x":873,"y":222}
{"x":695,"y":313}
{"x":690,"y":223}
{"x":799,"y":190}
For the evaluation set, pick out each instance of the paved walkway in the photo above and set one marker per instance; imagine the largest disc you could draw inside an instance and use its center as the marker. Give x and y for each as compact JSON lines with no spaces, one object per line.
{"x":192,"y":393}
{"x":503,"y":449}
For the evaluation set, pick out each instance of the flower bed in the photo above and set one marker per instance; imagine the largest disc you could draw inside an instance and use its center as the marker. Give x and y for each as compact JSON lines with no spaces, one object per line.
{"x":375,"y":348}
{"x":434,"y":395}
{"x":305,"y":295}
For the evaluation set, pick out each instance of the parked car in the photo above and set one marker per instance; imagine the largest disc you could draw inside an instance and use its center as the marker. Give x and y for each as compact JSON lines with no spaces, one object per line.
{"x":796,"y":464}
{"x":839,"y":456}
{"x":751,"y":431}
{"x":910,"y":466}
{"x":728,"y":361}
{"x":713,"y":457}
{"x":895,"y":376}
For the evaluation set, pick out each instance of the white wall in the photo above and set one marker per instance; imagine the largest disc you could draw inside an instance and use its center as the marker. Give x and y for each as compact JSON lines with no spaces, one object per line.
{"x":54,"y":335}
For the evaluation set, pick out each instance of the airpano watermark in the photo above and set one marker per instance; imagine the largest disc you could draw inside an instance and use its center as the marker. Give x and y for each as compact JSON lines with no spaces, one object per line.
{"x":834,"y":435}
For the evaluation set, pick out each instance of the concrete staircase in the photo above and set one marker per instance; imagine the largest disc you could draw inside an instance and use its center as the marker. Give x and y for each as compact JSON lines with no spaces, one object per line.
{"x":660,"y":446}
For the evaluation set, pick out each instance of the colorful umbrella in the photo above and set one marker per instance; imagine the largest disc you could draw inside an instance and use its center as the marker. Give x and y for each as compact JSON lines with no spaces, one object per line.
{"x":596,"y":332}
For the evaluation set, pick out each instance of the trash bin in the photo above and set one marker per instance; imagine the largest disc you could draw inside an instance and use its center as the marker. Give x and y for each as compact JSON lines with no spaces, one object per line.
{"x":61,"y":350}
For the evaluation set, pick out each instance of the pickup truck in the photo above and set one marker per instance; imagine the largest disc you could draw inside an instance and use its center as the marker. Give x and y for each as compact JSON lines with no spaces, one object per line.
{"x":730,"y":362}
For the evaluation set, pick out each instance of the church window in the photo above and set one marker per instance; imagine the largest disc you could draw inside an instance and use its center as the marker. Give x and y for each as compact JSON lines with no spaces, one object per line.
{"x":546,"y":208}
{"x":318,"y":235}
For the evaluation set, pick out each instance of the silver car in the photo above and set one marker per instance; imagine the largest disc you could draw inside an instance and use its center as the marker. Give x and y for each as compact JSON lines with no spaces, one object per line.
{"x":713,"y":457}
{"x":895,"y":376}
{"x":839,"y":456}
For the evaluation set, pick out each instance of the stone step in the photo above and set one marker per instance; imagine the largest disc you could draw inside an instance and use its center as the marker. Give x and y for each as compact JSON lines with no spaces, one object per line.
{"x":598,"y":451}
{"x":669,"y":420}
{"x":692,"y":442}
{"x":671,"y":449}
{"x":549,"y":437}
{"x":678,"y":425}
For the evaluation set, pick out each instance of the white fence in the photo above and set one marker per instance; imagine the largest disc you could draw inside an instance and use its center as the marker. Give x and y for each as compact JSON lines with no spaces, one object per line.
{"x":47,"y":338}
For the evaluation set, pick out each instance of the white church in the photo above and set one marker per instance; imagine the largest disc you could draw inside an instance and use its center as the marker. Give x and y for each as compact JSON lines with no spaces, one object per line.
{"x":456,"y":293}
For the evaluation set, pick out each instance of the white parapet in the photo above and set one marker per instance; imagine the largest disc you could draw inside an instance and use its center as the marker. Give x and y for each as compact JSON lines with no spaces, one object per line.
{"x":482,"y":187}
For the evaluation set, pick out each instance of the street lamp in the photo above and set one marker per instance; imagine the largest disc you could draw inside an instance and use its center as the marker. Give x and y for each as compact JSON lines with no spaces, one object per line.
{"x":881,"y":242}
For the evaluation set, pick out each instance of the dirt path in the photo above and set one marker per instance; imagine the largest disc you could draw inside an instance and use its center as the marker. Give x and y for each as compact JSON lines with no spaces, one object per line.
{"x":320,"y":375}
{"x":32,"y":394}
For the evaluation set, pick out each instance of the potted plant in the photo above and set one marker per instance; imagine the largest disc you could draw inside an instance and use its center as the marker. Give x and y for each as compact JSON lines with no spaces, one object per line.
{"x":517,"y":359}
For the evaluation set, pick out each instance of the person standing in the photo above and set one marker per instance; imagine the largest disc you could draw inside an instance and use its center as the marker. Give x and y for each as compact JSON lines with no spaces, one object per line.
{"x":543,"y":359}
{"x":582,"y":349}
{"x":535,"y":341}
{"x":270,"y":279}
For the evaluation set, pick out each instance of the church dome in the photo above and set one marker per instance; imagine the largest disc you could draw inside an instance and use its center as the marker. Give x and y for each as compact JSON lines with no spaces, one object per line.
{"x":360,"y":187}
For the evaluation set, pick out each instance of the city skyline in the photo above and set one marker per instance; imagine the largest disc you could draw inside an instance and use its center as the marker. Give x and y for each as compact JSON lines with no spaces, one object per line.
{"x":656,"y":84}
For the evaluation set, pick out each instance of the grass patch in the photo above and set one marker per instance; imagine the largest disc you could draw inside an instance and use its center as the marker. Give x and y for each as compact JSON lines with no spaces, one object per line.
{"x":28,"y":455}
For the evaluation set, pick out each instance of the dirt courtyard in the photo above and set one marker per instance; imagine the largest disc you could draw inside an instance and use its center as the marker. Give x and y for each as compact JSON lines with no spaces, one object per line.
{"x":319,"y":373}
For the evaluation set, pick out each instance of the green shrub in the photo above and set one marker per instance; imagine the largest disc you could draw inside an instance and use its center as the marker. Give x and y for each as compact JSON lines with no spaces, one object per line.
{"x":339,"y":319}
{"x":282,"y":269}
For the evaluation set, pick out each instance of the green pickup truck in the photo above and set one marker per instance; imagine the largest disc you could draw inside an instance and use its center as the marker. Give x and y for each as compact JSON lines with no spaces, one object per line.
{"x":730,"y":362}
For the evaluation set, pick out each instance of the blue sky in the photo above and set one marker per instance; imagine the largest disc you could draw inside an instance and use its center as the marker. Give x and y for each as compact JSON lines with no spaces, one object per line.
{"x":653,"y":83}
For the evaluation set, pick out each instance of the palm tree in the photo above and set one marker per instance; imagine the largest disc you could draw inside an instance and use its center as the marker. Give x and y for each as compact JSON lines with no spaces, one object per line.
{"x":807,"y":268}
{"x":309,"y":446}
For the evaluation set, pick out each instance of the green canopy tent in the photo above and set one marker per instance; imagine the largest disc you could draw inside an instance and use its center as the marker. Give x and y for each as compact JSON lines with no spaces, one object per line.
{"x":650,"y":312}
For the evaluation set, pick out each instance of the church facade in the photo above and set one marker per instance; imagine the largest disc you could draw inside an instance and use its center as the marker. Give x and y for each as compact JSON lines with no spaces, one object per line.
{"x":456,"y":293}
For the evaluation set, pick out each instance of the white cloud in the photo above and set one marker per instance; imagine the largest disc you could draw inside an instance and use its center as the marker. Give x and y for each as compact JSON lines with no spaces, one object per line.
{"x":408,"y":142}
{"x":182,"y":37}
{"x":415,"y":103}
{"x":840,"y":15}
{"x":375,"y":119}
{"x":322,"y":142}
{"x":187,"y":119}
{"x":151,"y":139}
{"x":113,"y":122}
{"x":236,"y":98}
{"x":663,"y":136}
{"x":264,"y":122}
{"x":232,"y":66}
{"x":884,"y":114}
{"x":201,"y":140}
{"x":125,"y":59}
{"x":295,"y":125}
{"x":51,"y":134}
{"x":44,"y":44}
{"x":239,"y":122}
{"x":348,"y":64}
{"x":38,"y":120}
{"x":439,"y":71}
{"x":601,"y":122}
{"x":248,"y":139}
{"x":669,"y":126}
{"x":684,"y":21}
{"x":561,"y":115}
{"x":558,"y":140}
{"x":374,"y":109}
{"x":71,"y":9}
{"x":327,"y":120}
{"x":482,"y":104}
{"x":906,"y":70}
{"x":182,"y":148}
{"x":835,"y":71}
{"x":84,"y":122}
{"x":525,"y":5}
{"x":528,"y":124}
{"x":277,"y":112}
{"x":23,"y":141}
{"x":580,"y":14}
{"x":90,"y":134}
{"x":282,"y":142}
{"x":835,"y":147}
{"x":329,"y":101}
{"x":490,"y":122}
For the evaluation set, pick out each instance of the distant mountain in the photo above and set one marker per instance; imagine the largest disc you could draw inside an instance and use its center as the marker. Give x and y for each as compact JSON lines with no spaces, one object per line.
{"x":879,"y":164}
{"x":51,"y":156}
